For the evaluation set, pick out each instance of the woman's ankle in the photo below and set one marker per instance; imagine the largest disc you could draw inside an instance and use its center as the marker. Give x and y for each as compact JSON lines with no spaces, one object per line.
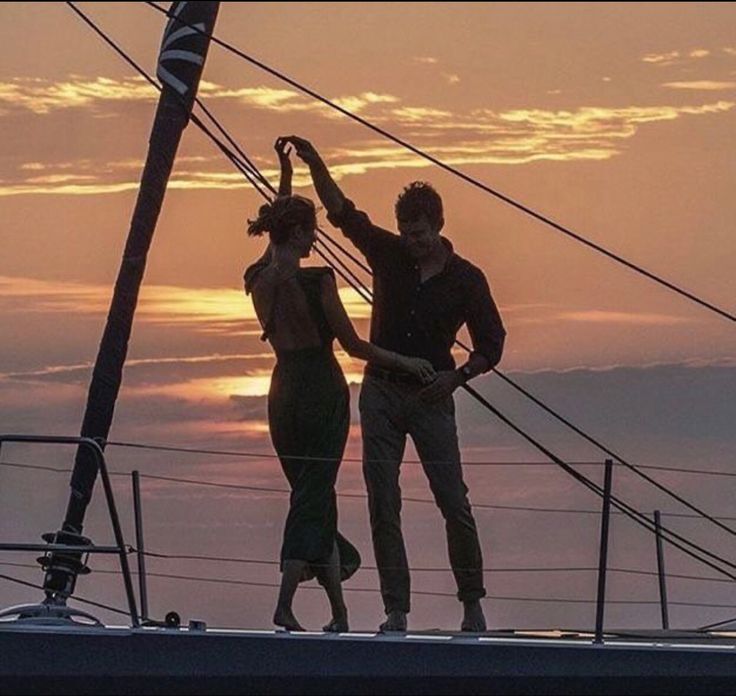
{"x":339,"y":611}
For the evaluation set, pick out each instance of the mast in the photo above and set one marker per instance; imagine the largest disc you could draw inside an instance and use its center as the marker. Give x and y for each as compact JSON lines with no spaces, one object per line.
{"x":180,"y":65}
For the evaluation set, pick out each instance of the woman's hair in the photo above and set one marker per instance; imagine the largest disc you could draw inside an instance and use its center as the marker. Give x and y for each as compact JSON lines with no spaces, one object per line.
{"x":281,"y":216}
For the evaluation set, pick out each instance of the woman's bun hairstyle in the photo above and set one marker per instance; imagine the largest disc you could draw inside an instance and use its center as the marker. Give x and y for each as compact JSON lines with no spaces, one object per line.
{"x":281,"y":216}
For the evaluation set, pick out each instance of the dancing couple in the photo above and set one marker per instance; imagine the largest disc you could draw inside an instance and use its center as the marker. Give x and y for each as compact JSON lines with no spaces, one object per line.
{"x":423,"y":294}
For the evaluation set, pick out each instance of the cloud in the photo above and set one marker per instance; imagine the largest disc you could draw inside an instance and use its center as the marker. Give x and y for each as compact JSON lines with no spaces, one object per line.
{"x":676,"y":57}
{"x":513,"y":137}
{"x":41,"y":166}
{"x":615,"y":122}
{"x":202,"y":363}
{"x":597,"y":316}
{"x":44,"y":96}
{"x":213,"y":313}
{"x":729,"y":50}
{"x":449,"y":78}
{"x":673,"y":57}
{"x":661,"y":58}
{"x":264,"y":97}
{"x":60,"y":178}
{"x":89,"y":177}
{"x":676,"y":399}
{"x":222,"y":310}
{"x":359,"y":102}
{"x":157,"y":303}
{"x":708,"y":85}
{"x":555,"y":132}
{"x":541,"y":314}
{"x":473,"y":137}
{"x":28,"y":188}
{"x":420,"y":114}
{"x":288,"y":100}
{"x":257,"y":383}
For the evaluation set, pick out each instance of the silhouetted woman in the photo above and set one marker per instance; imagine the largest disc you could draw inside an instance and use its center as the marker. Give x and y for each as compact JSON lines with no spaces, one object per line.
{"x":308,"y":403}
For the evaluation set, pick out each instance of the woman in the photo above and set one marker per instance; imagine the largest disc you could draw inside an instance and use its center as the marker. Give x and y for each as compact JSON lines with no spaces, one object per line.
{"x":308,"y":403}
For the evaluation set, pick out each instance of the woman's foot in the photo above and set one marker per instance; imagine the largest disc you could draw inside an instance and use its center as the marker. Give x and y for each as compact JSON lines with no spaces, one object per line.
{"x":285,"y":618}
{"x":339,"y":623}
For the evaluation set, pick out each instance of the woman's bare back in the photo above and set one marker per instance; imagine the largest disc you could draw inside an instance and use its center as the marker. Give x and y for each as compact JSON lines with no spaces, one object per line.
{"x":283,"y":310}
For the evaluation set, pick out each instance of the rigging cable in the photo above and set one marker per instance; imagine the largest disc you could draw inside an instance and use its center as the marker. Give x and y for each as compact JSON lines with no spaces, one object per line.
{"x":442,"y":569}
{"x":76,"y":598}
{"x":370,"y":590}
{"x":284,"y":491}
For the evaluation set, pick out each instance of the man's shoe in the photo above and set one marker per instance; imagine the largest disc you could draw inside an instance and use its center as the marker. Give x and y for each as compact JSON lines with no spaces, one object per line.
{"x":395,"y":622}
{"x":473,"y":619}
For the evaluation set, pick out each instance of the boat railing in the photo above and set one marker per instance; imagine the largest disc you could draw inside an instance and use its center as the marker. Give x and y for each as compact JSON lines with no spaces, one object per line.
{"x":141,"y":552}
{"x":68,"y":554}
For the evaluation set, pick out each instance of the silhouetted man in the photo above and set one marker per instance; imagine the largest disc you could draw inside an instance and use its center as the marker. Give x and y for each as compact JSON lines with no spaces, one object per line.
{"x":423,"y":294}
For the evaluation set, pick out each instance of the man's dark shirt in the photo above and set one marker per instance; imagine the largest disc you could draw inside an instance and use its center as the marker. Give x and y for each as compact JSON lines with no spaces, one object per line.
{"x":422,"y":319}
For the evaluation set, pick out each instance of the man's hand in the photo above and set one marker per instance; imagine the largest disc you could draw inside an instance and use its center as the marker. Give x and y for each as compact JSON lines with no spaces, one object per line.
{"x":444,"y":384}
{"x":304,"y":150}
{"x":419,"y":368}
{"x":328,"y":191}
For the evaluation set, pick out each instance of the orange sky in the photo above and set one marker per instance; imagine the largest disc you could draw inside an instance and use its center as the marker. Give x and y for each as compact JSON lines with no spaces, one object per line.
{"x":613,"y":120}
{"x":616,"y":119}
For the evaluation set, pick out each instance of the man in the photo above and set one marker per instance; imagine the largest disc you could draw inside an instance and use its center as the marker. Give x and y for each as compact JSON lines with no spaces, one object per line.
{"x":423,"y":293}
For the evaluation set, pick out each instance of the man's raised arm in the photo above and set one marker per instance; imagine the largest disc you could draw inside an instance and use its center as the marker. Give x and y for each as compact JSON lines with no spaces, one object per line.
{"x":333,"y":199}
{"x":355,"y":224}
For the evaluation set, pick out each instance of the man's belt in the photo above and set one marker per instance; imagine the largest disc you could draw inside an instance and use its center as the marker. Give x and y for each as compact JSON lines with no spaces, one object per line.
{"x":391,"y":376}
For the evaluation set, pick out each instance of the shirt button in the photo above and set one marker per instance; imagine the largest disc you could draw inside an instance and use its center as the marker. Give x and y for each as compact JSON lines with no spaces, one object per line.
{"x":408,"y":334}
{"x":412,"y":312}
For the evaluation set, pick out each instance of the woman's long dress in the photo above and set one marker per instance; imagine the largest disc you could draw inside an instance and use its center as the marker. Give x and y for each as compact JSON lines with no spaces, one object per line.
{"x":309,"y":417}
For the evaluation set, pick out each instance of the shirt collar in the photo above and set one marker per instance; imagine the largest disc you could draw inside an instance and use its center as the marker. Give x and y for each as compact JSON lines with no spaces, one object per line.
{"x":450,"y":261}
{"x":452,"y":257}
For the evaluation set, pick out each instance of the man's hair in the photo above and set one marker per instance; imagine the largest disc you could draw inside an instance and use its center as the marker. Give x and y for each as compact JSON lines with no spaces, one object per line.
{"x":417,"y":199}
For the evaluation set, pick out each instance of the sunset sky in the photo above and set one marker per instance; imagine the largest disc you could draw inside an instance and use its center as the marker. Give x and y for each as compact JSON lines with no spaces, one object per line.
{"x":615,"y":119}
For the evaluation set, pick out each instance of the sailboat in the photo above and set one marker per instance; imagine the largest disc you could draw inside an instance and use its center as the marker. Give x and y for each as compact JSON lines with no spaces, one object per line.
{"x":52,"y":647}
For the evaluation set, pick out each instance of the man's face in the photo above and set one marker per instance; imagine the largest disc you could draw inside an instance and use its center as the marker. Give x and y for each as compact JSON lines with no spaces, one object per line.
{"x":419,"y":237}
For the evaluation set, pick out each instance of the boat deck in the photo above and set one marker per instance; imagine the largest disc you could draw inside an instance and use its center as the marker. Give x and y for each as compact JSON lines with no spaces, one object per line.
{"x":59,"y":659}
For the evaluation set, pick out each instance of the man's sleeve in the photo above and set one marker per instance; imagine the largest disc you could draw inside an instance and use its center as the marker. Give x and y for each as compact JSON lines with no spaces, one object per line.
{"x":372,"y":241}
{"x":484,"y":321}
